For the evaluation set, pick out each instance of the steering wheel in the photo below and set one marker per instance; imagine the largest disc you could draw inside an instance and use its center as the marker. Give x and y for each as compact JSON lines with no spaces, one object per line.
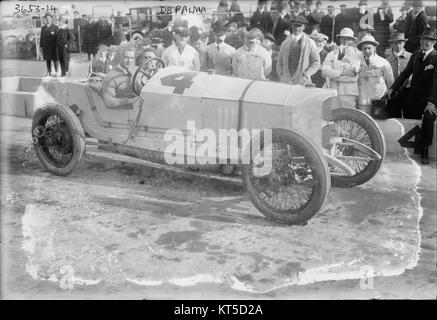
{"x":147,"y":69}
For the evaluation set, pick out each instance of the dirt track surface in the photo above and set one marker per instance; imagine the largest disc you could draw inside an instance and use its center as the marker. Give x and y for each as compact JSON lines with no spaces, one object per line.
{"x":118,"y":229}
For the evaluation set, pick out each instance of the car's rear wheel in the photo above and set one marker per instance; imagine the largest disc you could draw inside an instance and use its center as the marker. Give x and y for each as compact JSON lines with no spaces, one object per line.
{"x":356,"y":126}
{"x":58,"y":138}
{"x":297,"y":184}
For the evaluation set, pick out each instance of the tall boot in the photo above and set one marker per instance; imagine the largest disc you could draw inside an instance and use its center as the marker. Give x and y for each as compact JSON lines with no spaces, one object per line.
{"x":424,"y":155}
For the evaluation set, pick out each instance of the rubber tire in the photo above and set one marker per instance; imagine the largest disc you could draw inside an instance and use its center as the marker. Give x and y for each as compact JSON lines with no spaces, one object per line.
{"x":376,"y":138}
{"x":76,"y":131}
{"x":321,"y":173}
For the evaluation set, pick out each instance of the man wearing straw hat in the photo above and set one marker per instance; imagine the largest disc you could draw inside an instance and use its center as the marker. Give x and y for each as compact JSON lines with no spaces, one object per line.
{"x":422,"y":66}
{"x":375,"y":74}
{"x":341,"y":67}
{"x":398,"y":58}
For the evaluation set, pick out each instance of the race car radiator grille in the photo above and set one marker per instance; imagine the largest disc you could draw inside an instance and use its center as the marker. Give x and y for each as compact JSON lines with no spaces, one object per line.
{"x":326,"y":110}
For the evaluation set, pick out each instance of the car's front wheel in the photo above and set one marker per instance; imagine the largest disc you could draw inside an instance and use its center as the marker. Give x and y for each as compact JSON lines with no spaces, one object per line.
{"x":362,"y":147}
{"x":58,"y":138}
{"x":298,"y":182}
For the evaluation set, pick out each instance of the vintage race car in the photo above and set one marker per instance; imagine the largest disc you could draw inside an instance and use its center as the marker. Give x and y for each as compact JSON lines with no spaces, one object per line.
{"x":312,"y":141}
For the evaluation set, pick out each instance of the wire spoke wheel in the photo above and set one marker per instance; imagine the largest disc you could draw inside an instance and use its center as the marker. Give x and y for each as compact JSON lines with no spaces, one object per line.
{"x":58,"y":138}
{"x":352,"y":130}
{"x":290,"y":184}
{"x":356,"y":126}
{"x":56,"y":143}
{"x":297,"y":184}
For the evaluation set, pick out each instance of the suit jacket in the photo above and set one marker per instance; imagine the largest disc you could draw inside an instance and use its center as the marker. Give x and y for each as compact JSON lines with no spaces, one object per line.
{"x":382,"y":30}
{"x":279,"y":29}
{"x":343,"y":21}
{"x":326,"y":26}
{"x":48,"y":41}
{"x":398,"y":64}
{"x":219,"y":60}
{"x":414,"y":29}
{"x":423,"y":75}
{"x":261,"y":20}
{"x":433,"y":96}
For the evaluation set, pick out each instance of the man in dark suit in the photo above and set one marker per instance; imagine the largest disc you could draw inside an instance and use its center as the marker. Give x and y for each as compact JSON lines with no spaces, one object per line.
{"x":432,"y":111}
{"x":415,"y":24}
{"x":261,"y":18}
{"x":47,"y":42}
{"x":345,"y":19}
{"x":281,"y":29}
{"x":327,"y":23}
{"x":422,"y":66}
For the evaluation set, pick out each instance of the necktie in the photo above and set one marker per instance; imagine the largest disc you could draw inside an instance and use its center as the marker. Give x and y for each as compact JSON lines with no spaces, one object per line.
{"x":423,"y":55}
{"x":341,"y":54}
{"x":367,"y":60}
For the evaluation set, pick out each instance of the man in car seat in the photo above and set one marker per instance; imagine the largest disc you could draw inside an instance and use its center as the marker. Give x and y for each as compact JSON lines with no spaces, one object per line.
{"x":117,"y":85}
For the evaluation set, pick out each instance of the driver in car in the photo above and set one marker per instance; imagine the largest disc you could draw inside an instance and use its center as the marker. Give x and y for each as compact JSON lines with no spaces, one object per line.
{"x":117,"y":85}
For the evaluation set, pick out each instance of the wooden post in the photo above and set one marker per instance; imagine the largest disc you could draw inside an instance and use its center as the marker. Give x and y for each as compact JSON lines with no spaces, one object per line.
{"x":333,"y":27}
{"x":79,"y":39}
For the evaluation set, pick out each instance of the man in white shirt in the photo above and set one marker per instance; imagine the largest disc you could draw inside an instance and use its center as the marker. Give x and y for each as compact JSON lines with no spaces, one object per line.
{"x":252,"y":61}
{"x":341,"y":67}
{"x":180,"y":53}
{"x":375,"y":74}
{"x":218,"y":55}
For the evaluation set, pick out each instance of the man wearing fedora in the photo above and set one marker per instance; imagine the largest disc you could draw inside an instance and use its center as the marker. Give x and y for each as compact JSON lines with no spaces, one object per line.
{"x":398,"y":58}
{"x":326,"y":24}
{"x":49,"y":33}
{"x":421,"y":66}
{"x":375,"y":74}
{"x":298,"y":56}
{"x":261,"y":18}
{"x":218,"y":55}
{"x":399,"y":25}
{"x":341,"y":68}
{"x":415,"y":24}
